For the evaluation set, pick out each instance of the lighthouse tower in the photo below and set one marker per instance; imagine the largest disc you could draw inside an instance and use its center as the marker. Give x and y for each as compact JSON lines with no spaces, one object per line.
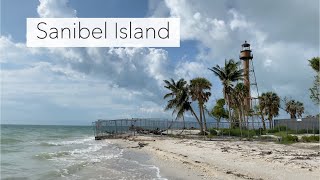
{"x":246,"y":57}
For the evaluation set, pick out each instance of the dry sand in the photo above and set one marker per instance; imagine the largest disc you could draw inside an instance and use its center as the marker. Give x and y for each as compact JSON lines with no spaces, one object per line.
{"x":198,"y":159}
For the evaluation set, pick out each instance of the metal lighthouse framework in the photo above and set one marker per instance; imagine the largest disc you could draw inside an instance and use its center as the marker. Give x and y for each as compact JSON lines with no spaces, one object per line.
{"x":250,"y":80}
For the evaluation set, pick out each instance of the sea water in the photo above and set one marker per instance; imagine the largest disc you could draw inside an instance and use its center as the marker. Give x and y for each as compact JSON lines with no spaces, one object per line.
{"x":67,"y":152}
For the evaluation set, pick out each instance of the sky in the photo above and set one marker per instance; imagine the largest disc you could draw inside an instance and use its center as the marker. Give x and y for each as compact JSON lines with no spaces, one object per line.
{"x":80,"y":85}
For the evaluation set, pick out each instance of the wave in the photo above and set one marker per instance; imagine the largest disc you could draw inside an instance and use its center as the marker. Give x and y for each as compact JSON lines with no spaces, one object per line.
{"x":52,"y":155}
{"x":15,"y":178}
{"x":70,"y":170}
{"x":159,"y":177}
{"x":89,"y":153}
{"x":6,"y":151}
{"x":10,"y":141}
{"x":47,"y":144}
{"x":71,"y":142}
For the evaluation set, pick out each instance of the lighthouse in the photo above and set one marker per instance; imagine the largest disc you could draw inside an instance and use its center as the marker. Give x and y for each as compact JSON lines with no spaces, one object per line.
{"x":246,"y":56}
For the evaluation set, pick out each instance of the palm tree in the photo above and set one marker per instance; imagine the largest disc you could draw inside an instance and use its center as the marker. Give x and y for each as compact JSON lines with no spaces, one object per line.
{"x":228,"y":74}
{"x":200,"y":91}
{"x":315,"y":90}
{"x":219,"y":112}
{"x":294,"y":108}
{"x":269,"y":104}
{"x":239,"y":95}
{"x":179,"y":102}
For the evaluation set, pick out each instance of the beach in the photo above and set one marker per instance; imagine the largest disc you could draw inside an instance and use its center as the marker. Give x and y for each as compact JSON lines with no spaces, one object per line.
{"x":226,"y":159}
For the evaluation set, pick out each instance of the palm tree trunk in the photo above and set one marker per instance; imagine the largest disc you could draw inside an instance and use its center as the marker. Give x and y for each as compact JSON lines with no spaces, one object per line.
{"x":200,"y":111}
{"x":252,"y":120}
{"x":240,"y":120}
{"x":270,"y":125}
{"x":263,"y":123}
{"x":229,"y":109}
{"x":270,"y":121}
{"x":195,"y":115}
{"x":184,"y":125}
{"x":204,"y":120}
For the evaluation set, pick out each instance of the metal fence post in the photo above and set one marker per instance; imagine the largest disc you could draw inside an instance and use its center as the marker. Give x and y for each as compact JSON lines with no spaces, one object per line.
{"x":115,"y":122}
{"x":313,"y":129}
{"x":167,"y":127}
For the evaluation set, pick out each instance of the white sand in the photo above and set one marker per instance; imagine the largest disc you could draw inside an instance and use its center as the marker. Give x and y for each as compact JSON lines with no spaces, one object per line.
{"x":197,"y":159}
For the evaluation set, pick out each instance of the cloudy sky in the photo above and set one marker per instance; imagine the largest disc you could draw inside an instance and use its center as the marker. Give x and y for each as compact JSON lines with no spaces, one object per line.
{"x":80,"y":85}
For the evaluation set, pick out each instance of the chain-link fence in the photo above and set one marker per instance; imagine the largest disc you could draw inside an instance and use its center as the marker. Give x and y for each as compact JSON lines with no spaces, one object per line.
{"x":105,"y":128}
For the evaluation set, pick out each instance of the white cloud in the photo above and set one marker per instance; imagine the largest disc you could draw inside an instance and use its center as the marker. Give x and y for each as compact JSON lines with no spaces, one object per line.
{"x":91,"y":83}
{"x":280,"y":63}
{"x":55,"y":9}
{"x":191,"y":69}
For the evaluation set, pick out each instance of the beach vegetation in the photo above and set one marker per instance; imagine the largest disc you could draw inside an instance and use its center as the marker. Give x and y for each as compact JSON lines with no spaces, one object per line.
{"x":288,"y":139}
{"x":219,"y":111}
{"x":294,"y":108}
{"x":182,"y":95}
{"x":178,"y":98}
{"x":200,"y":92}
{"x":228,"y":75}
{"x":234,"y":106}
{"x":310,"y":138}
{"x":213,"y":131}
{"x":237,"y":132}
{"x":269,"y":104}
{"x":314,"y":90}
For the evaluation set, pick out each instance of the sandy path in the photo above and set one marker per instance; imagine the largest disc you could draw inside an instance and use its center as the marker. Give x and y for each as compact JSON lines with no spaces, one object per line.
{"x":231,"y":159}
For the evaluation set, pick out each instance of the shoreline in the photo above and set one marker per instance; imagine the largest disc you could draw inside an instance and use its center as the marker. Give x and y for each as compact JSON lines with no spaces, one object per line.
{"x":198,"y":159}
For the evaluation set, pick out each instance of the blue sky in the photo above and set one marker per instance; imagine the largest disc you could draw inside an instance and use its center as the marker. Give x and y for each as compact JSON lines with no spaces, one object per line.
{"x":80,"y":85}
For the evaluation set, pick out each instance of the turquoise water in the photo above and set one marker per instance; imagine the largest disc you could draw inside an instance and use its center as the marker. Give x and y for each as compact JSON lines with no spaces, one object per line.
{"x":67,"y":152}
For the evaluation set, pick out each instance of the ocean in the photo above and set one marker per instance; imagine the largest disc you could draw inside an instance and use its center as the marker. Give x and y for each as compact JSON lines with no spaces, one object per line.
{"x":67,"y":152}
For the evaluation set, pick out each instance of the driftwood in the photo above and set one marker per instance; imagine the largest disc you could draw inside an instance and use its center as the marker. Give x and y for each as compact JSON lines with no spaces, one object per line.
{"x":140,"y":145}
{"x":140,"y":130}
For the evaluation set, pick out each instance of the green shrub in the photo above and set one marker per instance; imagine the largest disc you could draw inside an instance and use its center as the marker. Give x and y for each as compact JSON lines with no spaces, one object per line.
{"x":237,"y":132}
{"x":304,"y":131}
{"x":289,"y":139}
{"x":310,"y":138}
{"x":272,"y":130}
{"x":281,"y":133}
{"x":278,"y":129}
{"x":281,"y":128}
{"x":210,"y":136}
{"x":260,"y":131}
{"x":213,"y":131}
{"x":305,"y":139}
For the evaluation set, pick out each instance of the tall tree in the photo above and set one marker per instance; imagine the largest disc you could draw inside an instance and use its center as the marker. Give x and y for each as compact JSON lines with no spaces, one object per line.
{"x":314,"y":63}
{"x":200,"y":91}
{"x":239,"y":95}
{"x":179,"y":98}
{"x":228,"y":74}
{"x":269,"y":104}
{"x":314,"y":90}
{"x":219,"y":112}
{"x":294,"y":108}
